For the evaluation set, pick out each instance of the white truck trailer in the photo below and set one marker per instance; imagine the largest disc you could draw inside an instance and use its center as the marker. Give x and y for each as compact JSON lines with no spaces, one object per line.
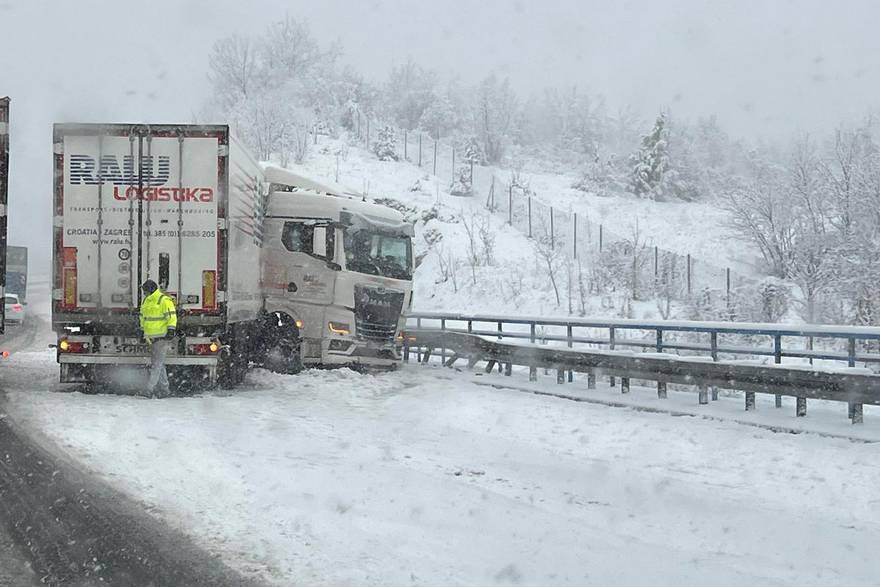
{"x":266,"y":266}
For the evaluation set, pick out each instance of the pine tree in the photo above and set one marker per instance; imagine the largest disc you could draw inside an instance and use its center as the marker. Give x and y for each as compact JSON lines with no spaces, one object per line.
{"x":462,"y":184}
{"x":473,"y":153}
{"x":385,"y":146}
{"x":651,"y":162}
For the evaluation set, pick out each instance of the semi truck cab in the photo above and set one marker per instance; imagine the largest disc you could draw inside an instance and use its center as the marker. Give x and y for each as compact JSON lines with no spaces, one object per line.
{"x":336,"y":268}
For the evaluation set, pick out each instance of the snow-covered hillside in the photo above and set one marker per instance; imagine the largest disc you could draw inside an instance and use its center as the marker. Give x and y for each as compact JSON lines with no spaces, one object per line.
{"x":516,"y":279}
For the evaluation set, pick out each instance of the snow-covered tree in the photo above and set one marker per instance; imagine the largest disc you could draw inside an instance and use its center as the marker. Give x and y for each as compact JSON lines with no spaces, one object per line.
{"x":409,"y":92}
{"x":495,"y":116}
{"x":473,"y":152}
{"x":651,"y":162}
{"x":385,"y":146}
{"x":462,"y":184}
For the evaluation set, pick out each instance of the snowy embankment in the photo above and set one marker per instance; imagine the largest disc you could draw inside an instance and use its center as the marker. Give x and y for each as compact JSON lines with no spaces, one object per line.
{"x":423,"y":477}
{"x":516,"y":280}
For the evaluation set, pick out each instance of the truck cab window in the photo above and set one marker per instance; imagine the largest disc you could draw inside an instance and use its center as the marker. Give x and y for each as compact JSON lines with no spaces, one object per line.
{"x":298,"y":238}
{"x":331,"y":243}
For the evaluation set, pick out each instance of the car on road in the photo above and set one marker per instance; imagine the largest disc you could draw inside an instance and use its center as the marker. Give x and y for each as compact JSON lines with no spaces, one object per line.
{"x":15,"y":310}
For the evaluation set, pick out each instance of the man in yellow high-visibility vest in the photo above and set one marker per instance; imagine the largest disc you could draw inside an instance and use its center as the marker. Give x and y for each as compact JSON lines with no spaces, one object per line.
{"x":158,"y":323}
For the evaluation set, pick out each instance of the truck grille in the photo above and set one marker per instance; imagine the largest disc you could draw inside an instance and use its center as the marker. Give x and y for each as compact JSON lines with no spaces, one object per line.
{"x":376,"y":311}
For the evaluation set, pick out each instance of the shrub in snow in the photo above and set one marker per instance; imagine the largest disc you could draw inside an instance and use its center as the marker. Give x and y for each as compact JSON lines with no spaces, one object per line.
{"x":774,"y":296}
{"x":462,"y":185}
{"x":601,"y":178}
{"x":385,"y":146}
{"x":473,"y":152}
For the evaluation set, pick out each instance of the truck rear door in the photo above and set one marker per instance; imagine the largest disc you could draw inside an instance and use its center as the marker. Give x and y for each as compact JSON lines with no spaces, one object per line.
{"x":139,"y":203}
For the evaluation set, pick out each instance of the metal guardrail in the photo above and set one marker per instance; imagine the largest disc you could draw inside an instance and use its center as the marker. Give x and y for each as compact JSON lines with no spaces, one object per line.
{"x":466,"y":336}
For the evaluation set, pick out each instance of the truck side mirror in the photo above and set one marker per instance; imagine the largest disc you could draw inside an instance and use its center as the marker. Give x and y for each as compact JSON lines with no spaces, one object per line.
{"x":334,"y":266}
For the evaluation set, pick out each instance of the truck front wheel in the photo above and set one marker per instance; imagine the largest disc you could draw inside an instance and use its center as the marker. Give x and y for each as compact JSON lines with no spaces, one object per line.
{"x":282,"y":345}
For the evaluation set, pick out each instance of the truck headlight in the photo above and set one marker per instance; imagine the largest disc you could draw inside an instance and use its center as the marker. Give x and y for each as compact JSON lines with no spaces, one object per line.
{"x":339,"y":327}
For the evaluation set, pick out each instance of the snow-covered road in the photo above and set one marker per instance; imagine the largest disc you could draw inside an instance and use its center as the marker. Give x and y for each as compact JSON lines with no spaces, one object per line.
{"x":423,"y":477}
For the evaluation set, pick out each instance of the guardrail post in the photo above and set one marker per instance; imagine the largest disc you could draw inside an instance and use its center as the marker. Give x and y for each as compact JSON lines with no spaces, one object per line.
{"x":661,"y":389}
{"x":500,"y":331}
{"x":611,"y":381}
{"x":851,"y":362}
{"x":508,"y":368}
{"x":750,"y":401}
{"x":470,"y":326}
{"x":560,"y":376}
{"x":591,"y":380}
{"x":624,"y":385}
{"x":704,"y":395}
{"x":570,"y":372}
{"x":857,"y":417}
{"x":661,"y":385}
{"x":777,"y":358}
{"x":801,"y":407}
{"x":443,"y":346}
{"x":418,"y":327}
{"x":533,"y":371}
{"x":713,"y":338}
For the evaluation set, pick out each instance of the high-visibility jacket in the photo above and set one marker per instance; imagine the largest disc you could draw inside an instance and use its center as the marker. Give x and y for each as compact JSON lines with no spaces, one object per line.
{"x":158,"y":314}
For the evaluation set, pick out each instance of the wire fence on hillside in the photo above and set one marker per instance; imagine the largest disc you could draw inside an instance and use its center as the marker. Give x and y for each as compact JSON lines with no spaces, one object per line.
{"x":633,"y":262}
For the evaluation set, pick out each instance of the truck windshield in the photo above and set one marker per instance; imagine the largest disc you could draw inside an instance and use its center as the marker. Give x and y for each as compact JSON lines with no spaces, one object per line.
{"x":377,"y":253}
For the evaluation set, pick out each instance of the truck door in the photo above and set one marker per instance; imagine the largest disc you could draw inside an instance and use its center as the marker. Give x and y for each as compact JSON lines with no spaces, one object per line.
{"x":178,"y":230}
{"x":138,"y":205}
{"x":310,"y":245}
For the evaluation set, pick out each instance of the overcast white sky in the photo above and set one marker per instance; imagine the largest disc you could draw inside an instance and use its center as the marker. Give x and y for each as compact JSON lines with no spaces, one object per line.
{"x":767,"y":68}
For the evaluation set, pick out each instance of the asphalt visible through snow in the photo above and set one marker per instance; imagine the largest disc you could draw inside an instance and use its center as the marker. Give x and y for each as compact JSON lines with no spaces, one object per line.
{"x":58,"y":526}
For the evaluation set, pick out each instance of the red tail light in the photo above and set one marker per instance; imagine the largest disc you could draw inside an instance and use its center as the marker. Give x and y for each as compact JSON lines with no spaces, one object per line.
{"x":17,"y":308}
{"x":210,"y":348}
{"x":68,"y":278}
{"x":67,"y":346}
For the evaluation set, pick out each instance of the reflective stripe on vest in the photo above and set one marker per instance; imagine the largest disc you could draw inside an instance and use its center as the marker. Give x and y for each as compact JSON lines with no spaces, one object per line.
{"x":157,"y":315}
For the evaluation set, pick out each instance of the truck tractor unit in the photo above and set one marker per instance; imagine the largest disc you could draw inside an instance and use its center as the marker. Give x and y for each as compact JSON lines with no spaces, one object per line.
{"x":265,"y":266}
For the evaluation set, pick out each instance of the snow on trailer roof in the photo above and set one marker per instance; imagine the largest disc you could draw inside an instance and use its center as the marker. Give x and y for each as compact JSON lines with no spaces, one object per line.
{"x":280,"y":175}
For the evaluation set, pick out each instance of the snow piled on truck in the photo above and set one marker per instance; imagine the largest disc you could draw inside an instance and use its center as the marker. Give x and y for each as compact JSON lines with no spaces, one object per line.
{"x":422,"y":477}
